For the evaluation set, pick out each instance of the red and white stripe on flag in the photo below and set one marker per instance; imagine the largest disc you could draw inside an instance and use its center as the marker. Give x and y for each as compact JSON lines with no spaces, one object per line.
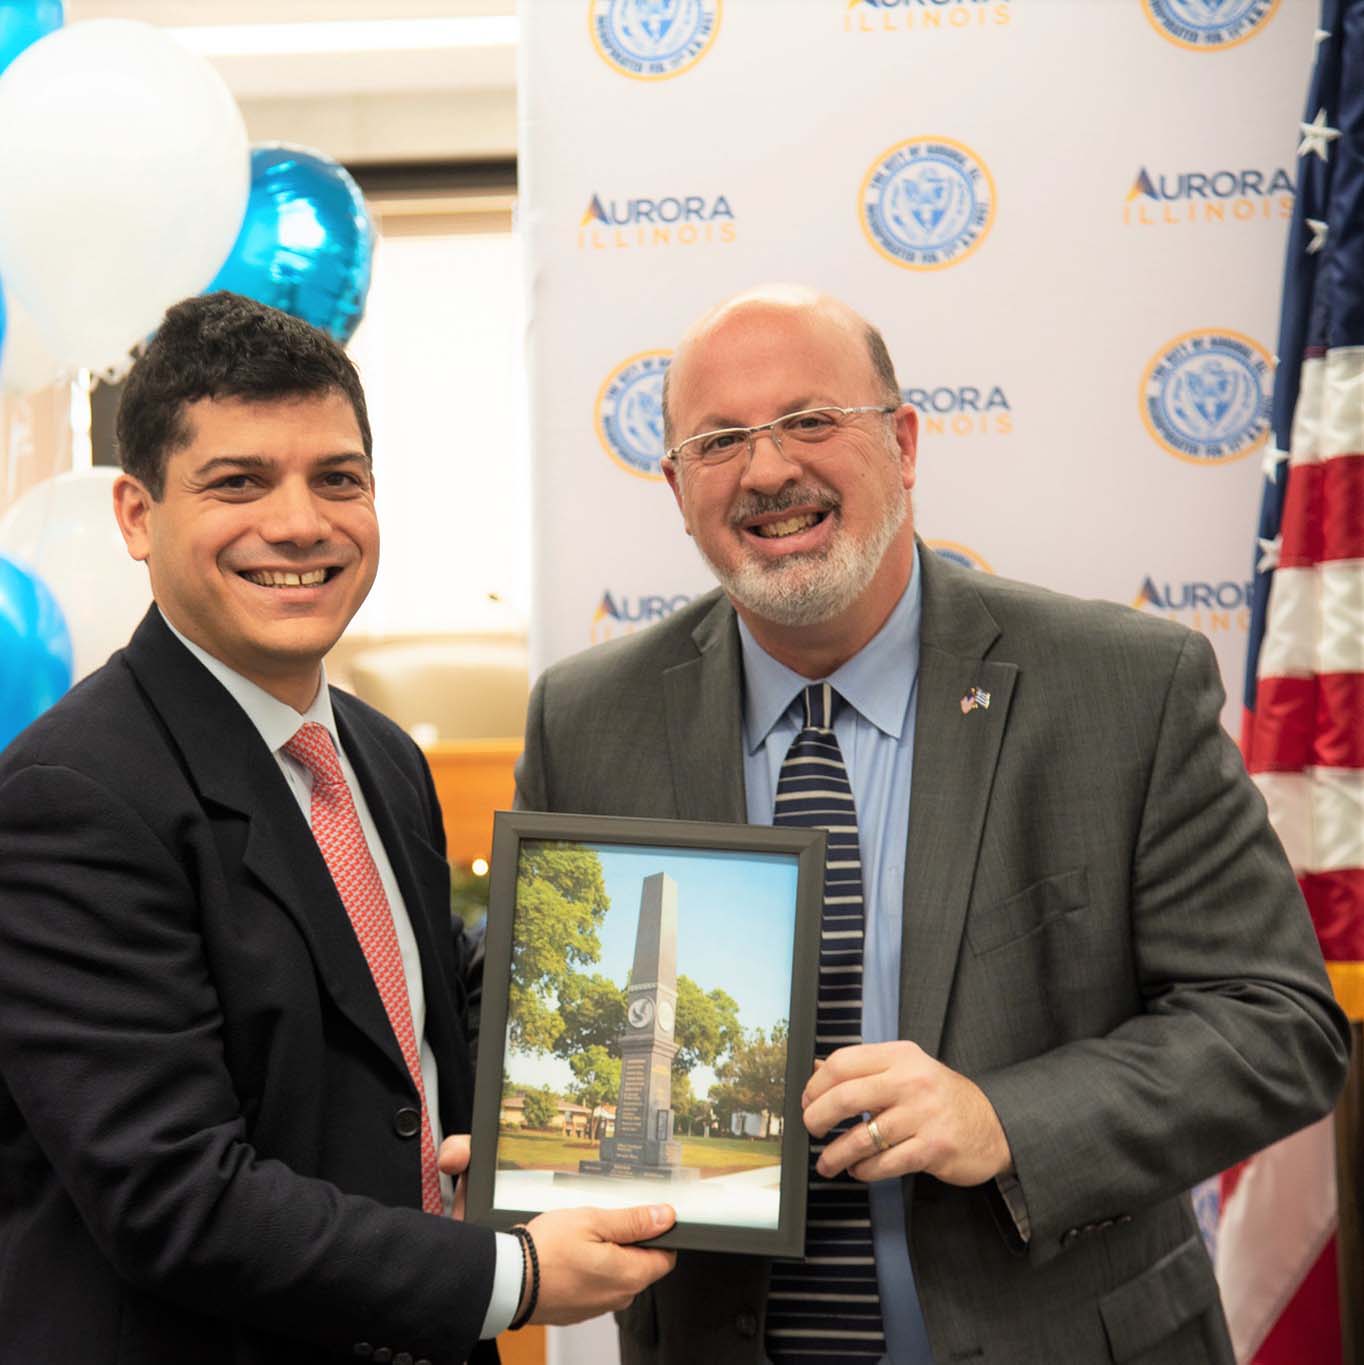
{"x":1303,"y":738}
{"x":1304,"y":747}
{"x":1304,"y":743}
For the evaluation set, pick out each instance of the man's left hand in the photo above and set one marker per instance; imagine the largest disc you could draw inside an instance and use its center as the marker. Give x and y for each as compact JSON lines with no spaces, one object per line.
{"x":929,"y":1117}
{"x":453,"y":1159}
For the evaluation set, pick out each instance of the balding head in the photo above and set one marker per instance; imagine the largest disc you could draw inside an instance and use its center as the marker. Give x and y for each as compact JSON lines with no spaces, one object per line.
{"x":823,"y":312}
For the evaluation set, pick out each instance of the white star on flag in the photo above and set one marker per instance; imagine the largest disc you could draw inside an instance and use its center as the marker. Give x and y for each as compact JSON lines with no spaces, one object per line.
{"x":1319,"y":231}
{"x":1270,"y":462}
{"x":1269,"y":554}
{"x":1316,"y":135}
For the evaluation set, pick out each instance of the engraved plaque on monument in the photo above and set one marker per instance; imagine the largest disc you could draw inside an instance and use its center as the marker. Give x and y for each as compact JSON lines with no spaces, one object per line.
{"x":643,"y":1145}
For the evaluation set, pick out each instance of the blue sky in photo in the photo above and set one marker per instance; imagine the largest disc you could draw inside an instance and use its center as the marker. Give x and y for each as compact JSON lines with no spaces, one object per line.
{"x":736,"y":924}
{"x":736,"y":921}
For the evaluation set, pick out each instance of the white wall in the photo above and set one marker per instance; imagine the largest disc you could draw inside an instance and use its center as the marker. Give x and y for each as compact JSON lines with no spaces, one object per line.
{"x":439,"y":352}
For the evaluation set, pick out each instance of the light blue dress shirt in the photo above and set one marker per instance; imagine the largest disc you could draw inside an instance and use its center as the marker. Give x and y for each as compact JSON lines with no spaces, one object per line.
{"x":875,"y":731}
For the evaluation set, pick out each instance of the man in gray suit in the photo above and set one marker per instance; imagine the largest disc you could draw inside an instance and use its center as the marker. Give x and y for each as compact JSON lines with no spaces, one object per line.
{"x":1088,"y":977}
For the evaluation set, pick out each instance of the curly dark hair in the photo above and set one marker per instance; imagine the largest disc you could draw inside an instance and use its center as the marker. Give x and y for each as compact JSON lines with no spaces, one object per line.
{"x":223,"y":346}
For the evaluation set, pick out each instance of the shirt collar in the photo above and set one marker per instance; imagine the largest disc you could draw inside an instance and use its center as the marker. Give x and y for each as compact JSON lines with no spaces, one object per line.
{"x":276,"y":720}
{"x":876,"y":681}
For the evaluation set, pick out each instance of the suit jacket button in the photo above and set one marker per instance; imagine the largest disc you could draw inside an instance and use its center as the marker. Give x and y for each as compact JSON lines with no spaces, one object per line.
{"x":383,"y":1355}
{"x":363,"y":1348}
{"x":402,"y":1358}
{"x":407,"y":1123}
{"x":746,"y":1324}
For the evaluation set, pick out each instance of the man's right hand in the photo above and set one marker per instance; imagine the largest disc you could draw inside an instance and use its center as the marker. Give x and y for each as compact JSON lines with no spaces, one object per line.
{"x":586,"y":1265}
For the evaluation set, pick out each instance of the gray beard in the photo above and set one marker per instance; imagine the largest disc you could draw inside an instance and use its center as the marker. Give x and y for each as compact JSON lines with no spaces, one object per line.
{"x":809,"y":589}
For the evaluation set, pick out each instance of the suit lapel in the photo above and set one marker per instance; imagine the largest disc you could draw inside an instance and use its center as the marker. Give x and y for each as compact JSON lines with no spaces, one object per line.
{"x":955,"y":755}
{"x":702,"y":704}
{"x":227,"y":762}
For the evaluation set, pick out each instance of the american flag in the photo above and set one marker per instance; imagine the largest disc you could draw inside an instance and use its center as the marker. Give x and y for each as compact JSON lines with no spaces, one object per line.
{"x":1303,"y":731}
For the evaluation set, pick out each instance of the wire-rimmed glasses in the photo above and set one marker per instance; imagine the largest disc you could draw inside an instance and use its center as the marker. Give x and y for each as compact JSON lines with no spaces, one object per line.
{"x":809,"y":427}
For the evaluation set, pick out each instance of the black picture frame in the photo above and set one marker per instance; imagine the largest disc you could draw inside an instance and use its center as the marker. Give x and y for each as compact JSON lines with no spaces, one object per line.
{"x":766,"y":1225}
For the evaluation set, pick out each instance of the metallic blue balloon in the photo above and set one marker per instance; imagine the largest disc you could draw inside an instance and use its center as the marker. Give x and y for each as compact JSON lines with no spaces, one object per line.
{"x":35,"y":649}
{"x":306,"y":243}
{"x":23,"y":22}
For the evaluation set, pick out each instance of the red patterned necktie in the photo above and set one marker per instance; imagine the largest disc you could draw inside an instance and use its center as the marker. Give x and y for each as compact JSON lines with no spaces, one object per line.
{"x":336,"y":827}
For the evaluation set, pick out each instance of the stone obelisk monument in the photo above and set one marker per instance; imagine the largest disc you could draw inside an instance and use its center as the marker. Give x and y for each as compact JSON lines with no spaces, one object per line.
{"x":643,"y":1144}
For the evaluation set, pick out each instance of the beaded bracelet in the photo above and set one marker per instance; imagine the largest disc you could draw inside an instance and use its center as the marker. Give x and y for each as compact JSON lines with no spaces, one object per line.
{"x":522,"y":1233}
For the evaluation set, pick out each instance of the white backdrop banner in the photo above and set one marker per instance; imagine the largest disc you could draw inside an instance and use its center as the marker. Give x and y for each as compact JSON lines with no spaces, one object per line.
{"x":1068,"y":217}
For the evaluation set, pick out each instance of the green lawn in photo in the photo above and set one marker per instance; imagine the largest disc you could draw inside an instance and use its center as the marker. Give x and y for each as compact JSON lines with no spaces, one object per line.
{"x":519,"y":1150}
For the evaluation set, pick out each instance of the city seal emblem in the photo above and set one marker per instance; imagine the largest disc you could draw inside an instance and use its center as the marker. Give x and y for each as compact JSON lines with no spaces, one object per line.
{"x":1205,"y":396}
{"x":630,"y":413}
{"x":927,"y":203}
{"x":1209,"y":25}
{"x":653,"y":40}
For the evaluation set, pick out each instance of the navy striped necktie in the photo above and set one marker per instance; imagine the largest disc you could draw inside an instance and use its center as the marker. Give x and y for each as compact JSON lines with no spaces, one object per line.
{"x":827,"y":1309}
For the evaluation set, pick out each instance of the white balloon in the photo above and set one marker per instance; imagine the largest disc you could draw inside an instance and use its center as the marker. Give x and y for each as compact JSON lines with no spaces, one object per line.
{"x":25,"y":362}
{"x":124,"y":174}
{"x":64,"y":530}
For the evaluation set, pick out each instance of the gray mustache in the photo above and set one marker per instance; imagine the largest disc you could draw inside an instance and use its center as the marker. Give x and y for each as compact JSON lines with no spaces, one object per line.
{"x":761,"y":504}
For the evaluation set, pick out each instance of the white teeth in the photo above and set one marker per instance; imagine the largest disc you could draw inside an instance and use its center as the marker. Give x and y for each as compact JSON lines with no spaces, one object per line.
{"x":274,"y":578}
{"x":788,"y":527}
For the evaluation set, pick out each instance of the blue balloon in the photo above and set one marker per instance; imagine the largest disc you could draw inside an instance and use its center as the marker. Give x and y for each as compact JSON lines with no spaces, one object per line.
{"x":306,"y":243}
{"x":35,"y":649}
{"x":23,"y":22}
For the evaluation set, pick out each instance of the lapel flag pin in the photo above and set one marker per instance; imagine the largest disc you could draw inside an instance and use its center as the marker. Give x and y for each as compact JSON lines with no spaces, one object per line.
{"x":975,"y":698}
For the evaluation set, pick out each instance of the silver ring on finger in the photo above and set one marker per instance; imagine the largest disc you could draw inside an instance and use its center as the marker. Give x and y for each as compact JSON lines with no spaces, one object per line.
{"x":874,"y":1133}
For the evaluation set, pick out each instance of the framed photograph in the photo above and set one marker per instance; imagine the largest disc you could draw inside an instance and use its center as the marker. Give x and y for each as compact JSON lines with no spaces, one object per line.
{"x":648,"y":1025}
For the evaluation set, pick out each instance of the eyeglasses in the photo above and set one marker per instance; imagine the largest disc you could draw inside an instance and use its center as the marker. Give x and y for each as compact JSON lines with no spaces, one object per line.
{"x":811,"y":427}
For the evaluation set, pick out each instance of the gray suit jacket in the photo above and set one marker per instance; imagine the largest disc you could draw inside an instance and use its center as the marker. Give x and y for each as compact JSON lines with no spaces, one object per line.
{"x":1100,"y":929}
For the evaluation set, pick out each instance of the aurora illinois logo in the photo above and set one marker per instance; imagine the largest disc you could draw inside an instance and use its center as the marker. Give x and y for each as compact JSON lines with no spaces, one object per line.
{"x":667,"y":220}
{"x":624,"y":613}
{"x":917,"y":16}
{"x":1205,"y":396}
{"x":1209,"y":25}
{"x":629,"y":413}
{"x":1201,"y":604}
{"x":653,"y":39}
{"x":1215,"y":196}
{"x":927,"y":203}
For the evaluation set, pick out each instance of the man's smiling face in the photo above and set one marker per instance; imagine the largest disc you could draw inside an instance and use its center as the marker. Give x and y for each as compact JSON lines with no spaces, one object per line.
{"x":796,"y":537}
{"x":264,"y":542}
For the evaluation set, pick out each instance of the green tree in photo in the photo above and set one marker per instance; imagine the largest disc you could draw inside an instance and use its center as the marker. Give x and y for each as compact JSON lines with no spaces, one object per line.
{"x":542,"y":1107}
{"x":753,"y":1077}
{"x":707,"y":1026}
{"x":596,"y":1075}
{"x":561,"y":900}
{"x":592,"y":1009}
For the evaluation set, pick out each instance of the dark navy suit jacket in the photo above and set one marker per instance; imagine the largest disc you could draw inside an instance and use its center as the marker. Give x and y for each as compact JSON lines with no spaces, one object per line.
{"x":204,"y":1150}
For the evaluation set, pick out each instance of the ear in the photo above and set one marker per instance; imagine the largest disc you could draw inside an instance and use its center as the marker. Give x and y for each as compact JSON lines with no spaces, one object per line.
{"x":907,"y":438}
{"x":132,"y":511}
{"x":673,"y":474}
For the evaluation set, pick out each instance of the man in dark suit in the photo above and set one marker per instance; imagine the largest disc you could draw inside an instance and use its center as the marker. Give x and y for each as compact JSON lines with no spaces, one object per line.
{"x":232,"y":1033}
{"x":1069,"y":972}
